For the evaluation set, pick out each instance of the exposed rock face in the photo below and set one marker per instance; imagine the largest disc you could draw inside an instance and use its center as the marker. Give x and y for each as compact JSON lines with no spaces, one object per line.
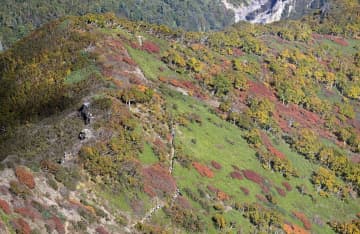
{"x":268,"y":11}
{"x":85,"y":134}
{"x":85,"y":112}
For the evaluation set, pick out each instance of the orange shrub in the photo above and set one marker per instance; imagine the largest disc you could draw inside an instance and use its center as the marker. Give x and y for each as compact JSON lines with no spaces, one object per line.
{"x":129,"y":61}
{"x":203,"y":170}
{"x":294,"y":229}
{"x":222,"y":196}
{"x":47,"y":165}
{"x":25,"y":177}
{"x":301,"y":216}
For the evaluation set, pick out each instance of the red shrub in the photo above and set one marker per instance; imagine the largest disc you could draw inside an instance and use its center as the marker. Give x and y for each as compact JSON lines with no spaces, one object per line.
{"x":340,"y":41}
{"x":253,"y":176}
{"x":5,"y":206}
{"x":129,"y":61}
{"x":158,"y":181}
{"x":287,"y":186}
{"x":216,"y":165}
{"x":21,"y":226}
{"x":28,"y":212}
{"x":264,"y":188}
{"x":245,"y":190}
{"x":150,"y":47}
{"x":25,"y":177}
{"x":261,"y":198}
{"x":59,"y":226}
{"x":134,"y":45}
{"x":101,"y":230}
{"x":203,"y":170}
{"x":237,"y":52}
{"x":281,"y":191}
{"x":261,"y":90}
{"x":236,"y":175}
{"x":265,"y":139}
{"x":301,"y":216}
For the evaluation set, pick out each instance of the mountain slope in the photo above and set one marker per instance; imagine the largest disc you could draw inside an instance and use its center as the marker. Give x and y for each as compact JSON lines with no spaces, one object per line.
{"x":252,"y":129}
{"x":18,"y":18}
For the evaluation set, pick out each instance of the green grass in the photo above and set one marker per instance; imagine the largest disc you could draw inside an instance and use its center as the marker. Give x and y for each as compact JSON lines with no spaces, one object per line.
{"x":117,"y":201}
{"x":6,"y":220}
{"x":148,"y":156}
{"x":212,"y":143}
{"x":82,"y":74}
{"x":150,"y":64}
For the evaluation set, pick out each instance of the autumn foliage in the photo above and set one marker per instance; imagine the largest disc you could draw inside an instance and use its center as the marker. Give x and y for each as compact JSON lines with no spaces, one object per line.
{"x":28,"y":212}
{"x":216,"y":165}
{"x":21,"y":226}
{"x":25,"y":177}
{"x":129,"y":61}
{"x":265,"y":139}
{"x":222,"y":196}
{"x":203,"y":170}
{"x":59,"y":226}
{"x":287,"y":186}
{"x":245,"y":190}
{"x":281,"y":191}
{"x":253,"y":176}
{"x":151,"y":47}
{"x":236,"y":175}
{"x":101,"y":230}
{"x":5,"y":206}
{"x":79,"y":205}
{"x":294,"y":229}
{"x":158,"y":181}
{"x":301,"y":216}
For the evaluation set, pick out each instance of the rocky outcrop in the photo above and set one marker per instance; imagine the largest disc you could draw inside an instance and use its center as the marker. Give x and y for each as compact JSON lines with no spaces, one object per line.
{"x":268,"y":11}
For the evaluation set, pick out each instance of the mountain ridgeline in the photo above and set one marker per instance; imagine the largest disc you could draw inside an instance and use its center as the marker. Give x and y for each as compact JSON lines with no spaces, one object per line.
{"x":18,"y":18}
{"x":115,"y":126}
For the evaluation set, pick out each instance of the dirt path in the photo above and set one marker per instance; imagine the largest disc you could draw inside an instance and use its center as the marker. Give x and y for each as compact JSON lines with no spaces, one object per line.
{"x":159,"y":204}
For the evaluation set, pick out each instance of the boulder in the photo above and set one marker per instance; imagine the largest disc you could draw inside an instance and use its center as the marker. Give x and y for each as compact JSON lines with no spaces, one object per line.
{"x":85,"y":112}
{"x":85,"y":134}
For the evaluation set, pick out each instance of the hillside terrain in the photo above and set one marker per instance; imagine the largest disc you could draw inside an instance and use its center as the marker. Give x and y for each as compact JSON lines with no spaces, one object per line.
{"x":114,"y":126}
{"x":18,"y":18}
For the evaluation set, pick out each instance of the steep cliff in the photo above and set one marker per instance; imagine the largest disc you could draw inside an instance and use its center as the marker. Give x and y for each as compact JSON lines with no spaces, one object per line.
{"x":268,"y":11}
